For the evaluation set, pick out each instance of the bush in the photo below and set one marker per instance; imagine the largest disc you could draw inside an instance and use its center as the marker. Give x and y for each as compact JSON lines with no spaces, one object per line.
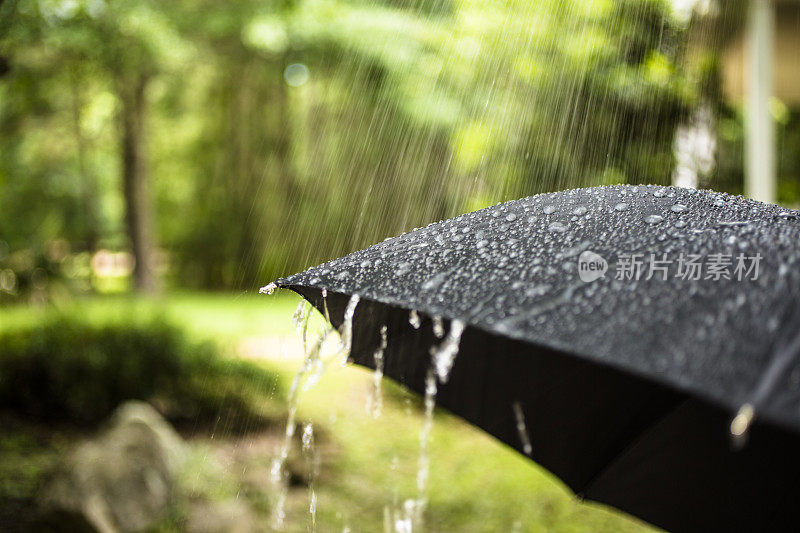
{"x":72,"y":370}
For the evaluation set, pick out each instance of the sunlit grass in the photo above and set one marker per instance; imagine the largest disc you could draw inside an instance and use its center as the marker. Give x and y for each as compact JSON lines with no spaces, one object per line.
{"x":218,"y":316}
{"x":476,"y":483}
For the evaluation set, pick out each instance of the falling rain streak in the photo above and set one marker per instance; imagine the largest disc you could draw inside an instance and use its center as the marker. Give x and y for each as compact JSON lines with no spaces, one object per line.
{"x":519,"y":416}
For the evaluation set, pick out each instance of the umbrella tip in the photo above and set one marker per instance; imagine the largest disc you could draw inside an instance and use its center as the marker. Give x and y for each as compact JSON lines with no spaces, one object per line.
{"x":267,"y":289}
{"x":741,"y":424}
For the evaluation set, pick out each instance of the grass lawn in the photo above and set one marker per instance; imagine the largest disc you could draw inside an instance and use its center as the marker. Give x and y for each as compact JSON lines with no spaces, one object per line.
{"x":476,"y":483}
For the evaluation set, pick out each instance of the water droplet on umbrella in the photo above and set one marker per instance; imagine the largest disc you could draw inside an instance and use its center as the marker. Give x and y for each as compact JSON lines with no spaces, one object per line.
{"x":403,"y":268}
{"x":557,"y":227}
{"x":622,"y":206}
{"x":678,"y":208}
{"x":653,"y":219}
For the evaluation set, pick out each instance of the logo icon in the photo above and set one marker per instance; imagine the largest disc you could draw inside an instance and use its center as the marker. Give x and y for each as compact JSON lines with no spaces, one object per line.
{"x":591,"y":266}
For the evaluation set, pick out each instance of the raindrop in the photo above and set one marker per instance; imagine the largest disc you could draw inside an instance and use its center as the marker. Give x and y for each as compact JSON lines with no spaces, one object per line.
{"x":622,"y":206}
{"x":580,"y":210}
{"x":522,"y":429}
{"x":741,"y":423}
{"x":308,"y":437}
{"x":549,"y":209}
{"x":438,"y":327}
{"x":653,"y":219}
{"x":557,"y":227}
{"x":678,"y":208}
{"x":413,"y":319}
{"x":296,"y":74}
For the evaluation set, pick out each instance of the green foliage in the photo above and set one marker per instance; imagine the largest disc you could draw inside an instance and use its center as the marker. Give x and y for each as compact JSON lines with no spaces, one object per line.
{"x":71,"y":370}
{"x":412,"y":112}
{"x":729,"y":173}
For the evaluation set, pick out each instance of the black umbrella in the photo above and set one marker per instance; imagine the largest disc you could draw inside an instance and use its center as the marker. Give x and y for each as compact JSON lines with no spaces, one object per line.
{"x":637,"y":332}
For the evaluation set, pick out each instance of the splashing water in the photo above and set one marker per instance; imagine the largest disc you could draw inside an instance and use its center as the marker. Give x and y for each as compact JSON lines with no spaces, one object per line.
{"x":442,"y":359}
{"x":301,"y":315}
{"x":401,"y":519}
{"x":279,"y":476}
{"x":414,"y":509}
{"x":444,"y":355}
{"x":312,"y":463}
{"x":299,"y":312}
{"x":300,"y":319}
{"x":521,"y":428}
{"x":325,"y":305}
{"x":375,"y":399}
{"x":346,"y":329}
{"x":314,"y":366}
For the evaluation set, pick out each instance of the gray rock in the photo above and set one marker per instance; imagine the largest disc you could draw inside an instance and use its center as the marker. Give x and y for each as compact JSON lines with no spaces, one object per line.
{"x":120,"y":481}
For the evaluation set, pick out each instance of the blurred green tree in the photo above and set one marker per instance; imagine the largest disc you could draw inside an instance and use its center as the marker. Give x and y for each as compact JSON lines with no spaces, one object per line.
{"x":271,"y":136}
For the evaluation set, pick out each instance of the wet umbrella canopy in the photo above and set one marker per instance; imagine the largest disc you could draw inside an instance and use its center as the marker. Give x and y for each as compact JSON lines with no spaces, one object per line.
{"x":636,"y":331}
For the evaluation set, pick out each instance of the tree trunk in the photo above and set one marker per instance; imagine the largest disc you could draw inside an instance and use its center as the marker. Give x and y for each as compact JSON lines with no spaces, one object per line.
{"x":88,"y":183}
{"x":135,"y":179}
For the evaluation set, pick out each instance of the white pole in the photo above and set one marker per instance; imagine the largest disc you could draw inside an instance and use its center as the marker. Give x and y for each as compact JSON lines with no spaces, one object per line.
{"x":759,"y":179}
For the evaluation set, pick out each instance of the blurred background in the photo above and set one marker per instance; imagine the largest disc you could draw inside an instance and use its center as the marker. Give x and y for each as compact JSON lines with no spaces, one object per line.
{"x":159,"y":161}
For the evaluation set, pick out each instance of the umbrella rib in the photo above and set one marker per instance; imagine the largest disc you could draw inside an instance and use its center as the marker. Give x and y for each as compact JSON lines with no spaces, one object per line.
{"x":630,"y":443}
{"x":777,"y":367}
